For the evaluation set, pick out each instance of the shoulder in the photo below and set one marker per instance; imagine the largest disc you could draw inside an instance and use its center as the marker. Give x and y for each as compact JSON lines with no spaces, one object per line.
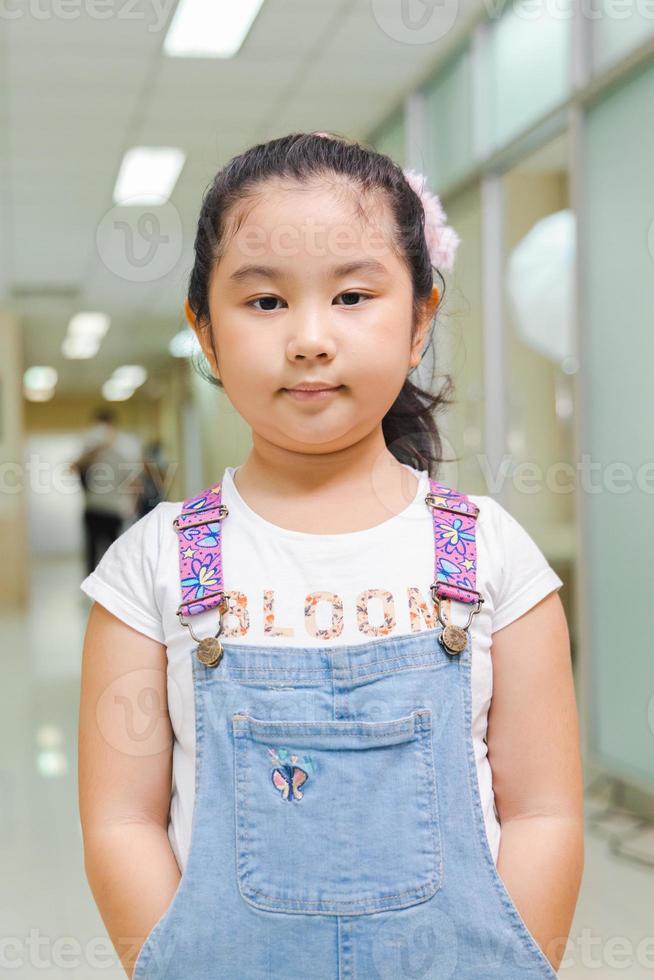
{"x":512,"y":567}
{"x":491,"y":515}
{"x":131,"y":574}
{"x":150,"y":530}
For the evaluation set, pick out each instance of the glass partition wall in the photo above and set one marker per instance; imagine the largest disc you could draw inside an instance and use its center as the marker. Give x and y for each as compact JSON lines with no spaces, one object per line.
{"x":537,"y":135}
{"x":618,"y":293}
{"x":539,"y":259}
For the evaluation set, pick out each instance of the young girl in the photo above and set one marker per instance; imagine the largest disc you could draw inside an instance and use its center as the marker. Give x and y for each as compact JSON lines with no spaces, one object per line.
{"x":290,"y":761}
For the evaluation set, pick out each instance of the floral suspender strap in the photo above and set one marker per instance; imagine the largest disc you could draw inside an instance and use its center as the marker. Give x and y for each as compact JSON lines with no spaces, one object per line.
{"x":455,"y":551}
{"x":199,"y":530}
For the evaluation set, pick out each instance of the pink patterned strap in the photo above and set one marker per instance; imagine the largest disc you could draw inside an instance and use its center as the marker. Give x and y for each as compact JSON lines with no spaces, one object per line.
{"x":199,"y":527}
{"x":455,"y":548}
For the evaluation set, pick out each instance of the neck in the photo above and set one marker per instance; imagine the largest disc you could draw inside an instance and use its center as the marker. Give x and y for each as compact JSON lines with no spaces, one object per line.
{"x":364,"y":478}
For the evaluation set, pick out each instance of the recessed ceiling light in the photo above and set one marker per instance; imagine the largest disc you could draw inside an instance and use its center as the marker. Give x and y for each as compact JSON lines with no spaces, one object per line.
{"x":38,"y":394}
{"x":40,"y":377}
{"x":52,"y":762}
{"x":89,"y":325}
{"x":49,"y":736}
{"x":148,"y":175}
{"x":131,"y":375}
{"x":115,"y":391}
{"x":79,"y":347}
{"x":210,"y":30}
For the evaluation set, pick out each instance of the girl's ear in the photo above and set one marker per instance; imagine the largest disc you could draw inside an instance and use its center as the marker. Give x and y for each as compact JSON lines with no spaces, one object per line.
{"x":190,"y":315}
{"x":418,"y":341}
{"x":204,"y":338}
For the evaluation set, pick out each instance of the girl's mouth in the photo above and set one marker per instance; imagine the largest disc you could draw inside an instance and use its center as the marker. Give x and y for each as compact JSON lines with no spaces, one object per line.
{"x":316,"y":394}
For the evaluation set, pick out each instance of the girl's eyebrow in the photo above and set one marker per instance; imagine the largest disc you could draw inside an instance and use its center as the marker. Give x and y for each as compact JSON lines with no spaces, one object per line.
{"x":370,"y":266}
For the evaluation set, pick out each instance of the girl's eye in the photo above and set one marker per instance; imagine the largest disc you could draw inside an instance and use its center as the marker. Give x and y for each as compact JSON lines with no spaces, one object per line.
{"x":265,"y":299}
{"x":275,"y":299}
{"x":353,"y":292}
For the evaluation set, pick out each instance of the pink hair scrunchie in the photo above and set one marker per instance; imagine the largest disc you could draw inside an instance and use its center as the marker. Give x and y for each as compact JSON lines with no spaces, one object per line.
{"x":442,"y":240}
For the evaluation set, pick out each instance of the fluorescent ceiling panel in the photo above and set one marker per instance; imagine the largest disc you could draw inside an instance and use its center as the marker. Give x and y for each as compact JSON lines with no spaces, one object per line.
{"x":214,"y":29}
{"x":148,"y":174}
{"x":89,"y":325}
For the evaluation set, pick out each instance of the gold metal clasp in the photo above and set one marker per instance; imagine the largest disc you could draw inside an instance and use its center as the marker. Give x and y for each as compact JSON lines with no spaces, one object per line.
{"x":430,"y":500}
{"x":453,"y":637}
{"x":210,"y":649}
{"x":473,"y":612}
{"x":222,"y":514}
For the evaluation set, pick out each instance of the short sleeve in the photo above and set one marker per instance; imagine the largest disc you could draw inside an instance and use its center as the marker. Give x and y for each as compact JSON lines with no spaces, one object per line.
{"x":124,"y":578}
{"x":525,"y":576}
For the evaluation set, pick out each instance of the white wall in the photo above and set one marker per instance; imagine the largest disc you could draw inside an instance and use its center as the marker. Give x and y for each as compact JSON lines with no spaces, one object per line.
{"x":54,"y":498}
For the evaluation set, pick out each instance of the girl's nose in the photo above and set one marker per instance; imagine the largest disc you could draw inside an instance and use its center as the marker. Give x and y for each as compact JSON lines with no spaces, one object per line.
{"x":311,"y":337}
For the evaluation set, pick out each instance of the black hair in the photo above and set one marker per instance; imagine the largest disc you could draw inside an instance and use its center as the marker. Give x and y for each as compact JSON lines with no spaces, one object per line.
{"x":409,"y":427}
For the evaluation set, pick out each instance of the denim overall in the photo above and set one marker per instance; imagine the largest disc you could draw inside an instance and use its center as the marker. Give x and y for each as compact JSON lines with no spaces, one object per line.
{"x":337,"y":830}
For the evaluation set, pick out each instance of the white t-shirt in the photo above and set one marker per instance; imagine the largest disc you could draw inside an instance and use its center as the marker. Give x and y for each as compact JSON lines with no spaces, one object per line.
{"x":273,"y":569}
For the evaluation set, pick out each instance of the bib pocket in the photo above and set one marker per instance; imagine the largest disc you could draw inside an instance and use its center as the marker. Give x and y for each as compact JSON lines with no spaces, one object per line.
{"x":337,"y":817}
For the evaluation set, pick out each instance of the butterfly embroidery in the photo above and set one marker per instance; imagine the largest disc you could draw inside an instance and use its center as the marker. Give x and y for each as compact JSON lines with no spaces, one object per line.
{"x":288,"y":777}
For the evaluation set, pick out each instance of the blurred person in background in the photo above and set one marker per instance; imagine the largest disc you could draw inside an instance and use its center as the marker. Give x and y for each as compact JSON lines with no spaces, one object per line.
{"x":152,"y":481}
{"x":106,"y":468}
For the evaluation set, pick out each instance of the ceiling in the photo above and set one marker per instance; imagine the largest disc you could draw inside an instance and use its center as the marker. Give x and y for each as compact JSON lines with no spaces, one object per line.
{"x":78,"y":89}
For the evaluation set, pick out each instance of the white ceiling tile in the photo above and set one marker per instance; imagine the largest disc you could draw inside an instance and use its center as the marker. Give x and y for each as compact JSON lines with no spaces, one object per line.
{"x":230,"y":80}
{"x":78,"y":70}
{"x":207,"y":115}
{"x":291,"y":29}
{"x":107,"y":291}
{"x":36,"y":261}
{"x":53,"y":108}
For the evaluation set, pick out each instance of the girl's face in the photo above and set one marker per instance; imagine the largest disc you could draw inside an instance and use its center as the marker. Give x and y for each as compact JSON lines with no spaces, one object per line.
{"x":307,"y":291}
